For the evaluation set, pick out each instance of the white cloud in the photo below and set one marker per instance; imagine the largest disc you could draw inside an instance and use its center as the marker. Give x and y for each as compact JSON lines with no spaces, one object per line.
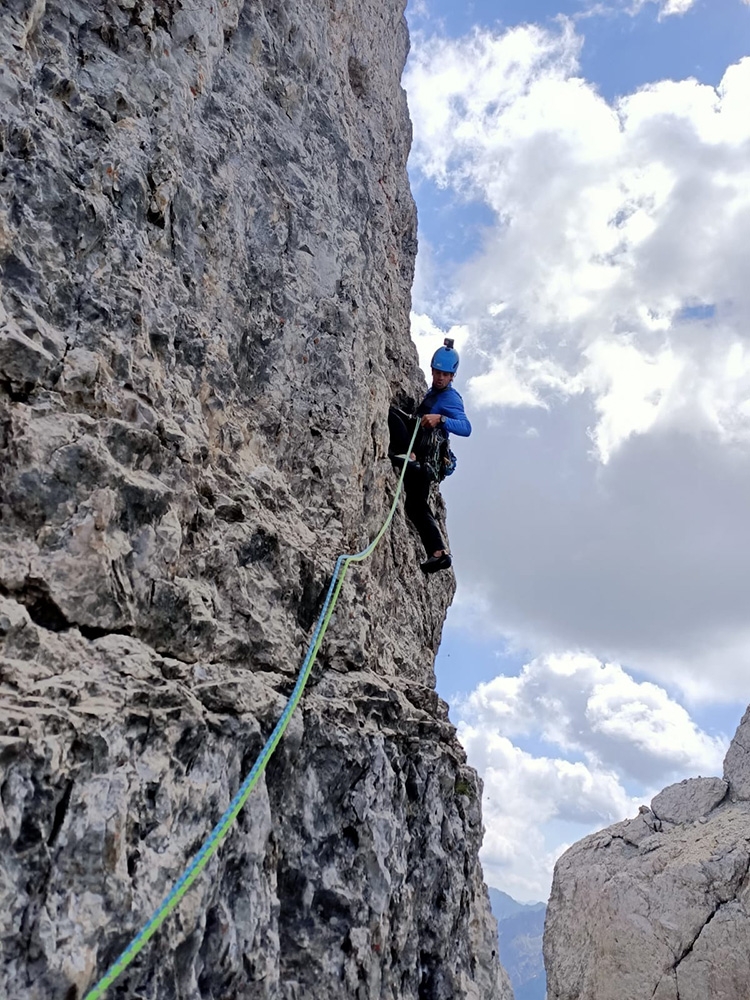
{"x":612,"y":733}
{"x":522,"y":795}
{"x":602,"y":502}
{"x":666,"y":7}
{"x":584,"y":706}
{"x":676,"y":6}
{"x":610,"y":220}
{"x":456,"y":88}
{"x":557,"y":788}
{"x":631,"y":390}
{"x":514,"y":381}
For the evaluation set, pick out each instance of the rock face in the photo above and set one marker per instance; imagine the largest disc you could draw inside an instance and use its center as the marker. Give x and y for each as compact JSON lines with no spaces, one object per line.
{"x":658,"y":907}
{"x":206,"y":249}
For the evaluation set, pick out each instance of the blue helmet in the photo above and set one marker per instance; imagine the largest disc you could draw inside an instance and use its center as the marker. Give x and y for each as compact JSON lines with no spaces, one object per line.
{"x":445,"y":359}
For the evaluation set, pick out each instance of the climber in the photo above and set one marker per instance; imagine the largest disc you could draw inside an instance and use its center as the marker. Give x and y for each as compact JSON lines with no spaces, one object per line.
{"x":442,"y":413}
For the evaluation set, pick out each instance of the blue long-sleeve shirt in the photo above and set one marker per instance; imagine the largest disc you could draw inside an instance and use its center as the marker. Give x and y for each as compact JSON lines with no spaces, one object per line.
{"x":449,"y":404}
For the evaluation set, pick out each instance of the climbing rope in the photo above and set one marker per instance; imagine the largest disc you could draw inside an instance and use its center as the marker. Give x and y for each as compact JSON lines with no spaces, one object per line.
{"x":223,"y":826}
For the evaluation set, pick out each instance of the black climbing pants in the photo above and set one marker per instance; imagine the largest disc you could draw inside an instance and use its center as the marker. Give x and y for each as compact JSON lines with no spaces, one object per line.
{"x":416,"y":483}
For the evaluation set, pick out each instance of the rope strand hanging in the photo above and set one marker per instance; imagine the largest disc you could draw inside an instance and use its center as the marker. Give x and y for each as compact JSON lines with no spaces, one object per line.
{"x":223,"y":826}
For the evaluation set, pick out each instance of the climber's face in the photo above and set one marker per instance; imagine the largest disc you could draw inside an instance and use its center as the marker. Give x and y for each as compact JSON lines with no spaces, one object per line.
{"x":440,"y":380}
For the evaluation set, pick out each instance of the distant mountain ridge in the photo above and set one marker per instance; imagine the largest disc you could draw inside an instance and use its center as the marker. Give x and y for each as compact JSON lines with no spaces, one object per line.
{"x":504,"y":906}
{"x":520,"y":928}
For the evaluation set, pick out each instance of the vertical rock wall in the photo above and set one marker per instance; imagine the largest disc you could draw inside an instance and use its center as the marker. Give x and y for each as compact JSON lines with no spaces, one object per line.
{"x":658,"y":907}
{"x":206,"y":249}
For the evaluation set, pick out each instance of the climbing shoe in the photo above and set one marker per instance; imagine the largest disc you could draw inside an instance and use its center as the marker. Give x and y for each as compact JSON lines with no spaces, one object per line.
{"x":435,"y":563}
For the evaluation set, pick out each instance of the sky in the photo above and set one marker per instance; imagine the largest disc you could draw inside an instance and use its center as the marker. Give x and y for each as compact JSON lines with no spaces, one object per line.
{"x":581,"y":176}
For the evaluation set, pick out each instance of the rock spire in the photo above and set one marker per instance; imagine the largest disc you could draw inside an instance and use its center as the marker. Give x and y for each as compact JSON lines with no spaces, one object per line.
{"x":658,"y":907}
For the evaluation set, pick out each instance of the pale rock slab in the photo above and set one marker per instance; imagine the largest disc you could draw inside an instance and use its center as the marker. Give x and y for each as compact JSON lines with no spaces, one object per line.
{"x":689,"y":800}
{"x":737,"y":761}
{"x":658,"y":907}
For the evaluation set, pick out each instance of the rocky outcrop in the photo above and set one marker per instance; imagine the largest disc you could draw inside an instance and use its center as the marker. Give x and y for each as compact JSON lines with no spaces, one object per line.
{"x":206,"y":248}
{"x":658,"y":907}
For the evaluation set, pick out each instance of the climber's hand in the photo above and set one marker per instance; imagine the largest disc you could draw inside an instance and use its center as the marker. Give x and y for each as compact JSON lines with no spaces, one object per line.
{"x":430,"y":420}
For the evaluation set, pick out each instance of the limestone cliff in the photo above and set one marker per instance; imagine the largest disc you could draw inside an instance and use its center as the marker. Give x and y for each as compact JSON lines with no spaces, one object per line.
{"x":658,"y":907}
{"x":206,"y":248}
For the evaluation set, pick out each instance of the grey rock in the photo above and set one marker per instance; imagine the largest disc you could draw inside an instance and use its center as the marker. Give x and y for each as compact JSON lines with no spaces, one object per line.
{"x":737,"y":761}
{"x":656,"y":907}
{"x":689,"y":800}
{"x":624,"y":920}
{"x":207,"y":242}
{"x":23,"y":362}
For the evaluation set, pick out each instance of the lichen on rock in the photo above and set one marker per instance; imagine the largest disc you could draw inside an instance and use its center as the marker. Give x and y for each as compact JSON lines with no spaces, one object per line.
{"x":206,"y":247}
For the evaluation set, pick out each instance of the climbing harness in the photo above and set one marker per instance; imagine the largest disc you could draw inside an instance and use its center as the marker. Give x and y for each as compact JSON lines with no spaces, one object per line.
{"x":221,"y":829}
{"x":437,"y":459}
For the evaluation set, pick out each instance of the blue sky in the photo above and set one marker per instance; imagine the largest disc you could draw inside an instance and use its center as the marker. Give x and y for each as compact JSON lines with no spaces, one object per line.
{"x":621,"y":51}
{"x":583,"y":236}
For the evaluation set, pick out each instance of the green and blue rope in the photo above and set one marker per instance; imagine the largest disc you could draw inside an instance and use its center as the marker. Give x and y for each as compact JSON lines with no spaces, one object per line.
{"x":223,"y":826}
